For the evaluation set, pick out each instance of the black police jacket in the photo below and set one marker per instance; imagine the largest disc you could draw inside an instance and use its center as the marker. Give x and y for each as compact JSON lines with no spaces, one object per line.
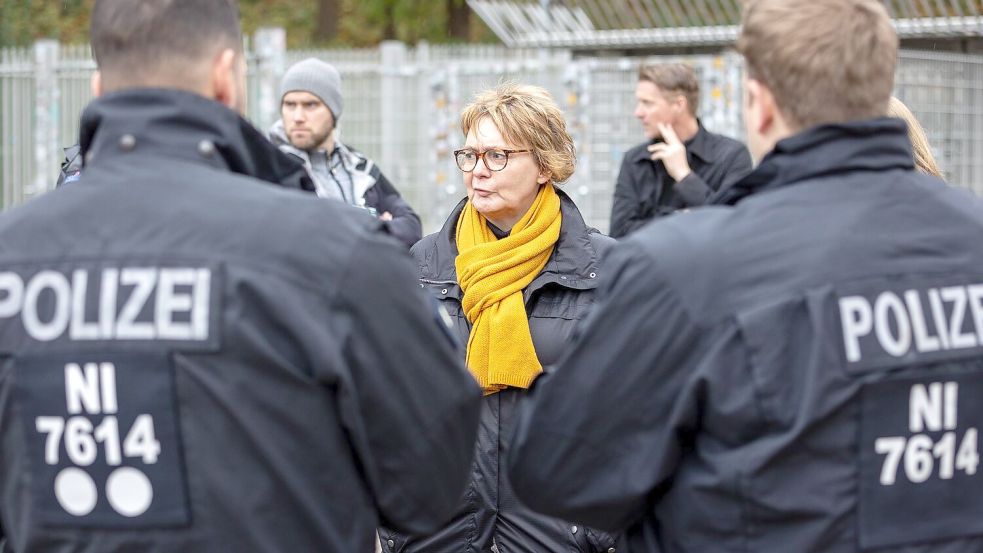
{"x":555,"y":300}
{"x":644,"y":190}
{"x":800,"y":371}
{"x":189,"y":362}
{"x":256,"y":162}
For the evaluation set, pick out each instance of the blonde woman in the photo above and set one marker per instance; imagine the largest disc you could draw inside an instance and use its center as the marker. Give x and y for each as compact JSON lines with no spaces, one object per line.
{"x":924,"y":160}
{"x":516,"y":267}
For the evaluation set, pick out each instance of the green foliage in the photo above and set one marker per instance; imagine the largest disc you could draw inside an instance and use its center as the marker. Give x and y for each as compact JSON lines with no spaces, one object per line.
{"x":24,"y":21}
{"x":297,"y":17}
{"x":362,"y":22}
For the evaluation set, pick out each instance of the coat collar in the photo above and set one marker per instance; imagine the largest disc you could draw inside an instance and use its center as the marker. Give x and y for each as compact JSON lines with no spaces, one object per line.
{"x":871,"y":145}
{"x":572,"y":265}
{"x":699,"y":146}
{"x":351,"y":158}
{"x":187,"y":126}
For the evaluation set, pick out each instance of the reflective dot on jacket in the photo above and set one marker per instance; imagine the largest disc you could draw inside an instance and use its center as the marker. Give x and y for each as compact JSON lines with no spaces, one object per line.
{"x":127,"y":142}
{"x":206,"y":148}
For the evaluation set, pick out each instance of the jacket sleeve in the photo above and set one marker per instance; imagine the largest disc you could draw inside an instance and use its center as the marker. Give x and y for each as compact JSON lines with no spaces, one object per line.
{"x":692,"y":190}
{"x":695,"y":191}
{"x":405,"y":226}
{"x":601,"y":433}
{"x":409,"y":405}
{"x":626,"y":214}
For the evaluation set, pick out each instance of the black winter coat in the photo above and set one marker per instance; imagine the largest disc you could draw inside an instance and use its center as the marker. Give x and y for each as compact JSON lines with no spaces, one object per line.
{"x":556,"y":300}
{"x":193,"y":359}
{"x":798,"y":372}
{"x":644,"y":190}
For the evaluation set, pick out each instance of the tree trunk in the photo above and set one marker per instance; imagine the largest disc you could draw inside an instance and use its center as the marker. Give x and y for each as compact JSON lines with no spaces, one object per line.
{"x":458,"y":20}
{"x":389,"y":30}
{"x":328,"y":12}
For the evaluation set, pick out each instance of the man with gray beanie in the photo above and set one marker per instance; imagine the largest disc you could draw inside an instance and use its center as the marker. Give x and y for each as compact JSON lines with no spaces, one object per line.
{"x":310,"y":106}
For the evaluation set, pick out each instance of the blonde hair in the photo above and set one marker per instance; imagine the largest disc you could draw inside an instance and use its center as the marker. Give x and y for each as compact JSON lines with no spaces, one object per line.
{"x":527,"y":116}
{"x":825,"y":61}
{"x":674,"y":78}
{"x":924,"y":160}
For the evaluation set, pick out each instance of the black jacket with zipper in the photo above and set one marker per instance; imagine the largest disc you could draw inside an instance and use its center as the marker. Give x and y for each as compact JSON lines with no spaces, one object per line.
{"x":798,"y":369}
{"x":555,"y":301}
{"x":177,"y":374}
{"x":644,"y":190}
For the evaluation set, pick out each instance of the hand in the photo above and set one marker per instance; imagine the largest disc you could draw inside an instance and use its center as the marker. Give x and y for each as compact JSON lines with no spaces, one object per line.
{"x":672,"y":153}
{"x":386,"y":216}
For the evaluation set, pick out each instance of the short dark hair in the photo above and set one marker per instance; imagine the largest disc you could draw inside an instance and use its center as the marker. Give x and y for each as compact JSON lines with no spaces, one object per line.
{"x":136,"y":39}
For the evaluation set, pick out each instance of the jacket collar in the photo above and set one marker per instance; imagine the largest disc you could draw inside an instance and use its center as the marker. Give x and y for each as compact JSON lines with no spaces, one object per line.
{"x":572,"y":265}
{"x":183,"y":125}
{"x":699,"y":146}
{"x":871,"y":145}
{"x":278,"y":135}
{"x":359,"y":166}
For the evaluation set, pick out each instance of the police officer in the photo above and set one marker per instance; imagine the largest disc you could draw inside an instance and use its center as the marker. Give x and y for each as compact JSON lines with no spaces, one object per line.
{"x":800,"y":370}
{"x":176,"y":373}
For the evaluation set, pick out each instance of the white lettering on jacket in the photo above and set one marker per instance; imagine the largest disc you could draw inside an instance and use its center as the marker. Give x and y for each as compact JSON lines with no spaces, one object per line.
{"x":131,"y":303}
{"x":917,"y":320}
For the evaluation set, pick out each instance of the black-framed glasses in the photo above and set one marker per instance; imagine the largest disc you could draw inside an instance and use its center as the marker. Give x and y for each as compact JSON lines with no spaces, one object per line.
{"x":495,"y":159}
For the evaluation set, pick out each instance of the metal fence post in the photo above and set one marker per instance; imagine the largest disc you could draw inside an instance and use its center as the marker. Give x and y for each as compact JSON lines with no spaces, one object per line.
{"x":271,"y":54}
{"x":47,"y":118}
{"x":425,"y":174}
{"x":394,"y":58}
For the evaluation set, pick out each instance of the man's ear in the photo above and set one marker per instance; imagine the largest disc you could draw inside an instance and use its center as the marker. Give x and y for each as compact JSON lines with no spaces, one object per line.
{"x":680,"y":105}
{"x":224,"y":79}
{"x":760,"y":109}
{"x":95,"y":84}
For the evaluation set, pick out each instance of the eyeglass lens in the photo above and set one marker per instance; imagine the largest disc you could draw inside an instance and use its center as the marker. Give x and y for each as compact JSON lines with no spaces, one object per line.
{"x":494,"y":159}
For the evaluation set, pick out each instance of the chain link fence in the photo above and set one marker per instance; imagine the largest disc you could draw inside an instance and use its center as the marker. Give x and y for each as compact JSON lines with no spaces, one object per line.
{"x":402,"y":106}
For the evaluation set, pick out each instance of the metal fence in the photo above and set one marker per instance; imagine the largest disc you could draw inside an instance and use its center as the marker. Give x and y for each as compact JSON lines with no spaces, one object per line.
{"x":402,"y":103}
{"x":587,"y":24}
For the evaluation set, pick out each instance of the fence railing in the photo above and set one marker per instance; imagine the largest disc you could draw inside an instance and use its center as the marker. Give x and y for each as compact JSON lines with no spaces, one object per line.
{"x":402,"y":105}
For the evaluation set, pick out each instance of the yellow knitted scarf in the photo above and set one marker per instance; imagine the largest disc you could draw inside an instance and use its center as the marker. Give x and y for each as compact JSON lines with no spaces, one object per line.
{"x":493,"y":273}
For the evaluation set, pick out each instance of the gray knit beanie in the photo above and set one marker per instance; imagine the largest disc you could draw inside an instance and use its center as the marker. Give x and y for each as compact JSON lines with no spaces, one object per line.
{"x":317,"y":77}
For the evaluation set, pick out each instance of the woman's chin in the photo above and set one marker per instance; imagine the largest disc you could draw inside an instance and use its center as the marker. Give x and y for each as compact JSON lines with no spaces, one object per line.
{"x":485,"y":206}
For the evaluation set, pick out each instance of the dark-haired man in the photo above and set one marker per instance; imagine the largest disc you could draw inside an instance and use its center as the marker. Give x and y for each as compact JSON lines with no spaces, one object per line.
{"x":310,"y":106}
{"x":801,"y":368}
{"x":681,"y":165}
{"x":176,"y":374}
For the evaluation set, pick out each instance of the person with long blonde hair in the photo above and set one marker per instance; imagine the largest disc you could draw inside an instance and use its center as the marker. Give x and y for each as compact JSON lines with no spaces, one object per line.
{"x":924,"y":160}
